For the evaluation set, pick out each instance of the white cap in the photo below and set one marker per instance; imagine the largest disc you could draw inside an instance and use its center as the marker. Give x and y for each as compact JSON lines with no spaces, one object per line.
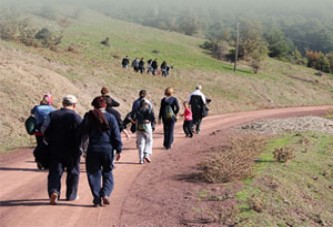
{"x":69,"y":100}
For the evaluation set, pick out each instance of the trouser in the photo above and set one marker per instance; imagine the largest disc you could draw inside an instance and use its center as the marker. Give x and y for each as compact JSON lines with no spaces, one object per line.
{"x":56,"y":169}
{"x":197,"y":123}
{"x":187,"y":127}
{"x":99,"y":172}
{"x":168,"y":127}
{"x":144,"y":141}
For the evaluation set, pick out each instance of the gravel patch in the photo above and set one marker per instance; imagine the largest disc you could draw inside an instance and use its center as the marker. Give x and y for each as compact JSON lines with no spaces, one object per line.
{"x":299,"y":124}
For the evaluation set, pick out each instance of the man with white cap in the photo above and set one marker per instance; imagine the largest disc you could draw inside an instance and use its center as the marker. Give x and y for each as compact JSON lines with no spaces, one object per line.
{"x":61,"y":133}
{"x":197,"y":101}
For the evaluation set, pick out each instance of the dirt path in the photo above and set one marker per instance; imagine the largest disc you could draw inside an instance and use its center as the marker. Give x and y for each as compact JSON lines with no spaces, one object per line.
{"x":23,"y":196}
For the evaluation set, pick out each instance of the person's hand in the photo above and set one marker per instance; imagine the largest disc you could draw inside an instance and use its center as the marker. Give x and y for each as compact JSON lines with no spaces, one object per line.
{"x":118,"y":156}
{"x":159,"y":121}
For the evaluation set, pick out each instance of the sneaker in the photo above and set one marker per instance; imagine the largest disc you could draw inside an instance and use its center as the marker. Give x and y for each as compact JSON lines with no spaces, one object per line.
{"x":97,"y":204}
{"x":54,"y":198}
{"x":141,"y":162}
{"x":147,"y":159}
{"x":106,"y":200}
{"x":76,"y":198}
{"x":39,"y":165}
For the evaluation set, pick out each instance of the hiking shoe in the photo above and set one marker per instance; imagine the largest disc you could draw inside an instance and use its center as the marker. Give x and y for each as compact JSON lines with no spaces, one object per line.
{"x":106,"y":200}
{"x":54,"y":198}
{"x":76,"y":198}
{"x":141,"y":162}
{"x":39,"y":165}
{"x":147,"y":159}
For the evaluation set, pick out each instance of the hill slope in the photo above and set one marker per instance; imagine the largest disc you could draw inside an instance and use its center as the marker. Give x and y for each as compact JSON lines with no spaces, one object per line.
{"x":27,"y":73}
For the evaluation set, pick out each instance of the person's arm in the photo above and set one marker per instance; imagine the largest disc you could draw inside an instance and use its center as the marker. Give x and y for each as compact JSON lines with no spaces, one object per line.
{"x":115,"y":135}
{"x":176,"y":106}
{"x":114,"y":103}
{"x":46,"y":123}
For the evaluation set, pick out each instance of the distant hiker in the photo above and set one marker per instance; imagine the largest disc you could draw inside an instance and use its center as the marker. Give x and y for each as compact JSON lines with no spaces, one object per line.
{"x":101,"y":128}
{"x":168,"y":113}
{"x":135,"y":64}
{"x":144,"y":119}
{"x":109,"y":101}
{"x":40,"y":113}
{"x":106,"y":42}
{"x":141,"y":65}
{"x":149,"y":68}
{"x":187,"y":125}
{"x":164,"y":66}
{"x":125,"y":62}
{"x":198,"y":102}
{"x":63,"y":146}
{"x":154,"y":66}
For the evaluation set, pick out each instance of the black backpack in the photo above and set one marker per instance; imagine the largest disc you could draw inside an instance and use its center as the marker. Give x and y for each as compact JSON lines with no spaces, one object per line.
{"x":30,"y":125}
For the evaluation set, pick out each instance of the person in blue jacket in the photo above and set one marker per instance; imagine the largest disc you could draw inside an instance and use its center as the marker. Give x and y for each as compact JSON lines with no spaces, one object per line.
{"x":41,"y":112}
{"x":61,"y":132}
{"x":101,"y":128}
{"x":169,"y":109}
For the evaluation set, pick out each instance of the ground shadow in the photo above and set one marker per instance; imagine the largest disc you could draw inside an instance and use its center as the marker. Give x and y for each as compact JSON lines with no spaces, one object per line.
{"x":190,"y":177}
{"x":38,"y":202}
{"x":22,"y":169}
{"x":127,"y":163}
{"x":264,"y":161}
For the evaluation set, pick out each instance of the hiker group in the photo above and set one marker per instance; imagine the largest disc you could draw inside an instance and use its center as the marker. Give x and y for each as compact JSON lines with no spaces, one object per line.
{"x":152,"y":66}
{"x":63,"y":136}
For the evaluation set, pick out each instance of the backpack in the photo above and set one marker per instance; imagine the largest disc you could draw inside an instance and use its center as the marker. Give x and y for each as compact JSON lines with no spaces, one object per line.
{"x":30,"y":125}
{"x":169,"y":114}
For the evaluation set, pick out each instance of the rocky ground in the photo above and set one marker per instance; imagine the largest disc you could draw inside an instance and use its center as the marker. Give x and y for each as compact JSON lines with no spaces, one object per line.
{"x":297,"y":124}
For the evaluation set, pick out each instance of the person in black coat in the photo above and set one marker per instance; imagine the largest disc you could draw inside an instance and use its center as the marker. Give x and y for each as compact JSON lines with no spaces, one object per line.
{"x":64,"y":149}
{"x":141,"y":65}
{"x":168,"y":114}
{"x":154,"y":66}
{"x":125,"y":62}
{"x":109,"y":101}
{"x":102,"y":131}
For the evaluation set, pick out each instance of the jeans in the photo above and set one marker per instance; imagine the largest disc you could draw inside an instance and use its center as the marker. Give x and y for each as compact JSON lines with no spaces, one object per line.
{"x":99,"y":172}
{"x":168,"y":127}
{"x":56,"y":169}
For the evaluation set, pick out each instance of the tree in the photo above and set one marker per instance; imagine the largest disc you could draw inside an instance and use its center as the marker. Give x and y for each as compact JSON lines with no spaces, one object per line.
{"x":317,"y":60}
{"x":278,"y":45}
{"x":330,"y":60}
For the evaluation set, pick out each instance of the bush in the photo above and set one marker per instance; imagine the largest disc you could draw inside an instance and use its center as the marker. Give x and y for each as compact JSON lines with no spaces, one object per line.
{"x":317,"y":60}
{"x":283,"y":154}
{"x":232,"y":162}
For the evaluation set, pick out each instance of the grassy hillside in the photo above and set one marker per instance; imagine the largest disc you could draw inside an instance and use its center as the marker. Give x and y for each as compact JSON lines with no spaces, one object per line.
{"x":26,"y":73}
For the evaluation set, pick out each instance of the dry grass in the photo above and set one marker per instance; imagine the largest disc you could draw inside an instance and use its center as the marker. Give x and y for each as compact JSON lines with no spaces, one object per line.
{"x":232,"y":162}
{"x":283,"y":154}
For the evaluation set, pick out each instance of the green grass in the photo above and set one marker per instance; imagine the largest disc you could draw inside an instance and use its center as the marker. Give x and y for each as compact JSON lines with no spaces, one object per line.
{"x":296,"y":193}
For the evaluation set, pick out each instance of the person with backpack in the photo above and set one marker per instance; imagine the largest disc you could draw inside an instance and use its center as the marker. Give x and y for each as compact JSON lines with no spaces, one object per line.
{"x":125,"y":62}
{"x":64,"y":149}
{"x":135,"y":64}
{"x":141,"y":65}
{"x":102,"y":131}
{"x":164,"y":68}
{"x":154,"y":66}
{"x":169,"y":109}
{"x":39,"y":113}
{"x":149,"y":67}
{"x":198,"y":102}
{"x":144,"y":119}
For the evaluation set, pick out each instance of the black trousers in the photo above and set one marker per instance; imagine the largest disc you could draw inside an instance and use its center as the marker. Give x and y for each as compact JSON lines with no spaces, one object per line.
{"x":56,"y":169}
{"x":187,"y":127}
{"x":197,"y":119}
{"x":168,"y":128}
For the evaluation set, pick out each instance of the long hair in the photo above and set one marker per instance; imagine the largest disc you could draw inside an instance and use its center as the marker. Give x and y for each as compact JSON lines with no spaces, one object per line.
{"x":96,"y":116}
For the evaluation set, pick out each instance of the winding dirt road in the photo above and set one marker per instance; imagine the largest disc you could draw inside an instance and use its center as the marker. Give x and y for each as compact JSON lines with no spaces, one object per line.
{"x":23,"y":195}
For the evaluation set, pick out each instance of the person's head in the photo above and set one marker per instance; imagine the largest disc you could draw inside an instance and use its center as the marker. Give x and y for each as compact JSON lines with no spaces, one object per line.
{"x":46,"y":100}
{"x":198,"y":87}
{"x":168,"y":91}
{"x":186,"y":104}
{"x":142,"y":94}
{"x":142,"y":59}
{"x":104,"y":91}
{"x":69,"y":101}
{"x":99,"y":102}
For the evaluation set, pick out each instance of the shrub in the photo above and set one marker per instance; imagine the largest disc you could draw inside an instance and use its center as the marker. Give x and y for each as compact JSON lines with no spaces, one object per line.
{"x":232,"y":162}
{"x":283,"y":154}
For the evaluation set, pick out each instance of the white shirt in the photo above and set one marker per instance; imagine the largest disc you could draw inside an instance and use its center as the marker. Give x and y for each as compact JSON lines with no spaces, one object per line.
{"x":199,"y":93}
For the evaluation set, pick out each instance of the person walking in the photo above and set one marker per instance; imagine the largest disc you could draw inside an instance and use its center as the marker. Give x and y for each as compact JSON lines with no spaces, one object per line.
{"x":64,"y":150}
{"x":101,"y":128}
{"x":197,"y":102}
{"x":135,"y":65}
{"x":40,"y":113}
{"x":144,"y":119}
{"x":142,"y":65}
{"x":187,"y":124}
{"x":154,"y":66}
{"x":169,"y":109}
{"x":109,"y":101}
{"x":125,"y":62}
